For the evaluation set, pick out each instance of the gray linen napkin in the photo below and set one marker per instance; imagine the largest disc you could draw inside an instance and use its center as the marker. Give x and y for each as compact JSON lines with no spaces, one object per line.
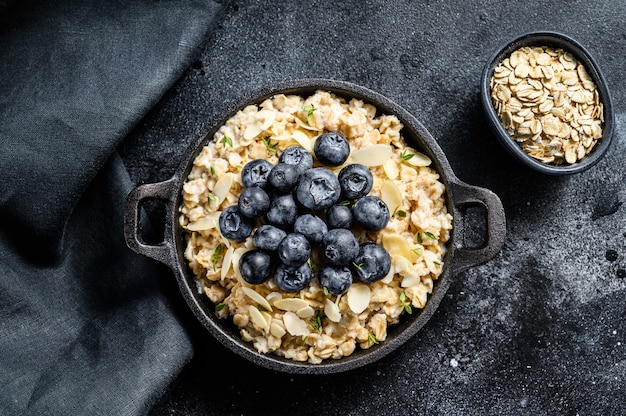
{"x":86,"y":326}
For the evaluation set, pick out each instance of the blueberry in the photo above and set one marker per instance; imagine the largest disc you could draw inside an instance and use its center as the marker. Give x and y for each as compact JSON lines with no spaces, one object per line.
{"x":283,"y":177}
{"x":253,"y":202}
{"x":372,"y":263}
{"x":297,"y":156}
{"x":235,"y":226}
{"x":318,"y":189}
{"x":336,"y":279}
{"x":294,"y":250}
{"x":356,"y":181}
{"x":255,"y":266}
{"x":371,"y":213}
{"x":283,"y":210}
{"x":255,"y":172}
{"x":331,"y":149}
{"x":267,"y":237}
{"x":339,"y":216}
{"x":292,"y":279}
{"x":340,"y":246}
{"x":312,"y":227}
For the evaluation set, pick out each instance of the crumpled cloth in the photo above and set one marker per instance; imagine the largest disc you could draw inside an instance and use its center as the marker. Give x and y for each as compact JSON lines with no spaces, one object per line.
{"x":86,"y":325}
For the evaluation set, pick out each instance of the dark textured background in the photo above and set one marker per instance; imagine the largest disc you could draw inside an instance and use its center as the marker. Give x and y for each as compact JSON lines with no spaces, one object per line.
{"x":539,"y":329}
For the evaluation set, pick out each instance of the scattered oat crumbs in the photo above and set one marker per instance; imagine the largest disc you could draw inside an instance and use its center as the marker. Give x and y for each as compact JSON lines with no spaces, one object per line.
{"x":548,"y":104}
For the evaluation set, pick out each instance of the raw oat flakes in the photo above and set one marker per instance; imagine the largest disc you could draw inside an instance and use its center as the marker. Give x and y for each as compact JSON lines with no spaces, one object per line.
{"x":548,"y":104}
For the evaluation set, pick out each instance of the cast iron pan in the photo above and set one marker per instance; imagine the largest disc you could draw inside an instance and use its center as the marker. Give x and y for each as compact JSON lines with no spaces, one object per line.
{"x":458,"y":258}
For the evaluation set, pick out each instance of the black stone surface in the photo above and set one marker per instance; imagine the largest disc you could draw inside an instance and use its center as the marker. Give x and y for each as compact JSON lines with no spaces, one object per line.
{"x":538,"y":330}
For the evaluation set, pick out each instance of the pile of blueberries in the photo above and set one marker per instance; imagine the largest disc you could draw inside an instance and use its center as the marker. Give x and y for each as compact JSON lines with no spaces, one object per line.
{"x":303,"y":208}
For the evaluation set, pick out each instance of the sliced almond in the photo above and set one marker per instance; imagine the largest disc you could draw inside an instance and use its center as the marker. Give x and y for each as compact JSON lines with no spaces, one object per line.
{"x":277,"y":330}
{"x":208,"y":222}
{"x":257,"y":318}
{"x":267,"y":117}
{"x":256,"y":297}
{"x":223,"y":185}
{"x":410,"y":280}
{"x":228,"y":257}
{"x":419,"y":159}
{"x":396,"y":245}
{"x":267,"y":317}
{"x":235,"y":260}
{"x":374,"y":155}
{"x":252,"y":130}
{"x":305,"y":125}
{"x":331,"y":310}
{"x":400,"y":264}
{"x":391,"y":169}
{"x":359,"y":296}
{"x":291,"y":304}
{"x":303,"y":140}
{"x":391,"y":195}
{"x":273,"y":297}
{"x":294,"y":325}
{"x":306,"y":312}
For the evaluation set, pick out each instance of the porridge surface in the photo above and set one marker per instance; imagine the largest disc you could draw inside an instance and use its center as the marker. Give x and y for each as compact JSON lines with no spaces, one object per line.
{"x":313,"y":325}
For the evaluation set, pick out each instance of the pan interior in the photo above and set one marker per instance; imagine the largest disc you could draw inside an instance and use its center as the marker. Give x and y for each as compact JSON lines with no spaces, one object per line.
{"x":224,"y":329}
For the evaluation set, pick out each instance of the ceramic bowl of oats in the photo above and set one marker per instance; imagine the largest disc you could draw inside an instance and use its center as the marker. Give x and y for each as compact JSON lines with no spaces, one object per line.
{"x":548,"y":103}
{"x":315,"y":226}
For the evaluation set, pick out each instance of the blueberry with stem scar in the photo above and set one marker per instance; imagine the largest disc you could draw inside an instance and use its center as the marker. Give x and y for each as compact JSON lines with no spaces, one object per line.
{"x":297,"y":156}
{"x":233,"y":225}
{"x":356,"y":181}
{"x":255,"y":173}
{"x":283,"y":177}
{"x":318,"y":189}
{"x":292,"y":279}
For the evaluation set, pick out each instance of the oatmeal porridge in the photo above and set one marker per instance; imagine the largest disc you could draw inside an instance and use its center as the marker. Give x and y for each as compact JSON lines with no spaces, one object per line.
{"x":316,"y":322}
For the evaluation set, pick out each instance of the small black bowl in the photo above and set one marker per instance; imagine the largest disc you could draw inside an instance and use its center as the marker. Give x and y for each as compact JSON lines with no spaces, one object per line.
{"x":559,"y":41}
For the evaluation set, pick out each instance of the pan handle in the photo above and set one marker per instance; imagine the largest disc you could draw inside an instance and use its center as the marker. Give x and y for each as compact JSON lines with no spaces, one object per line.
{"x":466,"y":195}
{"x":163,"y":191}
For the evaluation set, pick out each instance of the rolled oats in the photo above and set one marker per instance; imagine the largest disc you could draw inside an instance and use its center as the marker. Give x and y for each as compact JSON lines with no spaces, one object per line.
{"x":548,"y":104}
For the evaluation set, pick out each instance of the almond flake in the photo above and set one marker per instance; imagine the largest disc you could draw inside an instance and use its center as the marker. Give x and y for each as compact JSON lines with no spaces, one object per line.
{"x":419,"y":159}
{"x":391,"y":195}
{"x":291,"y":304}
{"x":208,"y":222}
{"x":223,"y":185}
{"x":303,"y":140}
{"x":294,"y":325}
{"x":306,"y":312}
{"x":228,"y":257}
{"x":331,"y":310}
{"x":257,"y":318}
{"x":374,"y":155}
{"x":277,"y":330}
{"x":256,"y":297}
{"x":359,"y":297}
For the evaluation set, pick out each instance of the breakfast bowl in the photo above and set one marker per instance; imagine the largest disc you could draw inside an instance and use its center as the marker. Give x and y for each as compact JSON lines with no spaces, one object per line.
{"x":547,"y":103}
{"x":297,"y":331}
